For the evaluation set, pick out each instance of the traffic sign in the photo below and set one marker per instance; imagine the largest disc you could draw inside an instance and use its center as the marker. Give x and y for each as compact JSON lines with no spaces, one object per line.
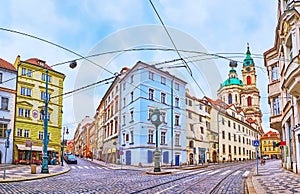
{"x":121,"y":153}
{"x":256,"y":143}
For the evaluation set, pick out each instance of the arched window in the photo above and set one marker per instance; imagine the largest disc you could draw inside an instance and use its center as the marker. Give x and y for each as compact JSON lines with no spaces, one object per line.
{"x":248,"y":80}
{"x":249,"y":101}
{"x":229,"y":99}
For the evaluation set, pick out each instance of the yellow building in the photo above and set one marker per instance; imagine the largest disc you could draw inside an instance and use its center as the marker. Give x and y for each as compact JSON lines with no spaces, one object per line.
{"x":267,"y":145}
{"x":29,"y":123}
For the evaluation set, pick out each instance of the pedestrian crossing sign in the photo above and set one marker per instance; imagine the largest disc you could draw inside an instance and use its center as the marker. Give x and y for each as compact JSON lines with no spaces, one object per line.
{"x":256,"y":143}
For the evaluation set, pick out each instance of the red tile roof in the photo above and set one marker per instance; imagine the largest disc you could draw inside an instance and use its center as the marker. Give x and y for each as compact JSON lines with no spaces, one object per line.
{"x":35,"y":61}
{"x":270,"y":134}
{"x":6,"y":65}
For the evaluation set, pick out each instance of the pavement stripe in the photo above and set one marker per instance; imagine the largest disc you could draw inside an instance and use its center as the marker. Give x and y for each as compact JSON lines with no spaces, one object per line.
{"x":80,"y":167}
{"x":236,"y":173}
{"x":246,"y":174}
{"x":226,"y":172}
{"x":86,"y":167}
{"x":73,"y":167}
{"x":214,"y":172}
{"x":92,"y":167}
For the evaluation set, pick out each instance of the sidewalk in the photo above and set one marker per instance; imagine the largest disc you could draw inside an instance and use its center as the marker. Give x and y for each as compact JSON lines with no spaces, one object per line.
{"x":15,"y":173}
{"x":272,"y":178}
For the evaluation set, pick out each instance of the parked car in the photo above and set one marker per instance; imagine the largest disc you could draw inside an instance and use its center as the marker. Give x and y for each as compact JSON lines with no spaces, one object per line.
{"x":70,"y":159}
{"x":265,"y":157}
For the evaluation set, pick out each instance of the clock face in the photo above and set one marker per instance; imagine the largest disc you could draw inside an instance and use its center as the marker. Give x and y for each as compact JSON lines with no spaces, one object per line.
{"x":248,"y":68}
{"x":153,"y":117}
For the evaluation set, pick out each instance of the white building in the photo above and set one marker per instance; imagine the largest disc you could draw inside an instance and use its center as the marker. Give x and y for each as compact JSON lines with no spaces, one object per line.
{"x":143,"y":89}
{"x":235,"y":133}
{"x":282,"y":62}
{"x":8,"y":76}
{"x":197,"y":130}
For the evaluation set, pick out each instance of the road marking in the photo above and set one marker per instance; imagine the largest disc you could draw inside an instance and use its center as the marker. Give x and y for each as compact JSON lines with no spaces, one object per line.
{"x":92,"y":167}
{"x":86,"y":167}
{"x":73,"y":167}
{"x":226,"y":172}
{"x":80,"y":167}
{"x":246,"y":174}
{"x":236,"y":173}
{"x":166,"y":189}
{"x":214,"y":172}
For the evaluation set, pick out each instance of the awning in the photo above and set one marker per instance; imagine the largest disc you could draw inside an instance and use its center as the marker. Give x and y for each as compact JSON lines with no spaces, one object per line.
{"x":34,"y":148}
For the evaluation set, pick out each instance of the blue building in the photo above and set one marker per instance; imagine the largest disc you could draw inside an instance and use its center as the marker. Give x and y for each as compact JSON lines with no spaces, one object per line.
{"x":8,"y":76}
{"x":142,"y":89}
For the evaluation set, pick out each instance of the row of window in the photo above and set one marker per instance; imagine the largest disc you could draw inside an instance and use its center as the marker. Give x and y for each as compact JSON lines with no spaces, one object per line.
{"x":23,"y":112}
{"x":248,"y":131}
{"x":26,"y":133}
{"x":151,"y":77}
{"x":245,"y":152}
{"x":24,"y":91}
{"x":239,"y":139}
{"x":163,"y":140}
{"x":163,"y":97}
{"x":28,"y":73}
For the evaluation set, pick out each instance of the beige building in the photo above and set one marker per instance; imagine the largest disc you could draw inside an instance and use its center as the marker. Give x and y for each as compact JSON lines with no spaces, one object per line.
{"x":282,"y":62}
{"x":233,"y":133}
{"x":197,"y":130}
{"x":80,"y":136}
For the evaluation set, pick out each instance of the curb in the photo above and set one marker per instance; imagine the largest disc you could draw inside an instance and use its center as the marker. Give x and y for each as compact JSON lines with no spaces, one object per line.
{"x":37,"y":177}
{"x":249,"y":187}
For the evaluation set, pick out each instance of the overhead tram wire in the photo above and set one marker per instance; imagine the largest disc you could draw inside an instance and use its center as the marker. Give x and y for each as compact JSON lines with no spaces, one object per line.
{"x":173,"y":43}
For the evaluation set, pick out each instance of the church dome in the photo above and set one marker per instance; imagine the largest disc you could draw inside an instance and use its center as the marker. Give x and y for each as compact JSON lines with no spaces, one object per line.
{"x":232,"y":79}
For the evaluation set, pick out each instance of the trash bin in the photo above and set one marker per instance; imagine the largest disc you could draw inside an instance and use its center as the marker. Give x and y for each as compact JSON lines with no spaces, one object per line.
{"x":33,"y":169}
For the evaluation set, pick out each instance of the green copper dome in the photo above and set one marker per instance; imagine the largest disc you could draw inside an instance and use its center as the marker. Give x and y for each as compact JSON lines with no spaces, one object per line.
{"x":248,"y":61}
{"x":232,"y":79}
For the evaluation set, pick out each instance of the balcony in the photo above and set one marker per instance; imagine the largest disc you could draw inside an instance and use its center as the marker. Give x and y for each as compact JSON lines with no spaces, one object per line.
{"x":292,"y":79}
{"x":275,"y":122}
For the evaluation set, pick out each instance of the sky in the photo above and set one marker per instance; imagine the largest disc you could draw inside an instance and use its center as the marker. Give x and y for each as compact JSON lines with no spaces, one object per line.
{"x":87,"y":27}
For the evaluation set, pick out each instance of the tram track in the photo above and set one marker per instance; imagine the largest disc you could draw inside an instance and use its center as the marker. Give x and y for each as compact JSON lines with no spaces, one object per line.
{"x":178,"y":184}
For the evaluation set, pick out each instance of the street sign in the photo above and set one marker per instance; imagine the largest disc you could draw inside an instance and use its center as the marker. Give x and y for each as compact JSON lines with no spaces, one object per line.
{"x":256,"y":143}
{"x":121,"y":153}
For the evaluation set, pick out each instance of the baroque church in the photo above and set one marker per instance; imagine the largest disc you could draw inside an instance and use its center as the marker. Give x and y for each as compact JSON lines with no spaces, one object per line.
{"x":243,"y":94}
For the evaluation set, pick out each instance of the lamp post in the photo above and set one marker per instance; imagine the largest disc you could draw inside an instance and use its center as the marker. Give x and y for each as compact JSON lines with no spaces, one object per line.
{"x":7,"y":134}
{"x":44,"y":168}
{"x":155,"y":120}
{"x":63,"y":145}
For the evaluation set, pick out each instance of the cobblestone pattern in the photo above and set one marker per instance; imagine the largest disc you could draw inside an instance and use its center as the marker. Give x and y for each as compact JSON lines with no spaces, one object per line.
{"x":274,"y":179}
{"x":87,"y":177}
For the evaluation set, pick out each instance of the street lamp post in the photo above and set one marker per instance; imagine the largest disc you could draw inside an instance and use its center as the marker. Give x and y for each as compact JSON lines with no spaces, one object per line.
{"x":155,"y":119}
{"x":44,"y":168}
{"x":63,"y":145}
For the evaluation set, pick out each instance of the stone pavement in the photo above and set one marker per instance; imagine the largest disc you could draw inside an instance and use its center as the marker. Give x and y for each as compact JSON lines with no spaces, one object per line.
{"x":20,"y":172}
{"x":272,"y":178}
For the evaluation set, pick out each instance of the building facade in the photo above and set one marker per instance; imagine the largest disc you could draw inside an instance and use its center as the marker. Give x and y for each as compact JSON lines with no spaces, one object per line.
{"x":80,"y":136}
{"x":143,"y":89}
{"x":8,"y":76}
{"x":234,"y":133}
{"x":30,"y":102}
{"x":270,"y":145}
{"x":282,"y":63}
{"x":197,"y":130}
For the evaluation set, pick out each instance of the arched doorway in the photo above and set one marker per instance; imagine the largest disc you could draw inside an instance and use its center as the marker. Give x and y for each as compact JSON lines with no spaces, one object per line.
{"x":0,"y":157}
{"x":230,"y":158}
{"x":214,"y":157}
{"x":191,"y":159}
